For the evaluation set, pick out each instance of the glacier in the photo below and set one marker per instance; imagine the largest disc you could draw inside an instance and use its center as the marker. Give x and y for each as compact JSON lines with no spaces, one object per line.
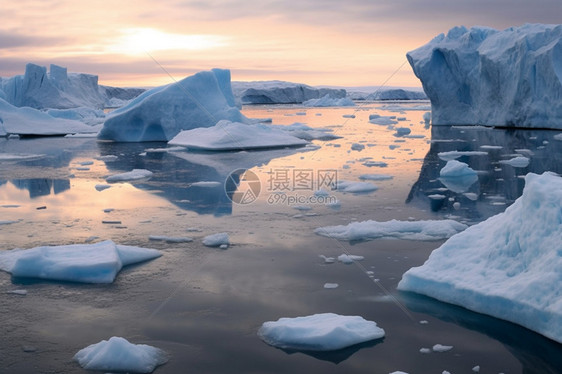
{"x":509,"y":266}
{"x":319,"y":332}
{"x":84,"y":263}
{"x":483,"y":76}
{"x":280,"y":92}
{"x":159,"y":114}
{"x":119,"y":355}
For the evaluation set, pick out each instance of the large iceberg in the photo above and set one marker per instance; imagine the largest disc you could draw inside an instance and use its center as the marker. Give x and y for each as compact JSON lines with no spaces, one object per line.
{"x":509,"y":266}
{"x":159,"y":114}
{"x":86,"y":263}
{"x":319,"y":332}
{"x":119,"y":355}
{"x":280,"y":92}
{"x":396,"y":94}
{"x":57,"y":89}
{"x":482,"y":76}
{"x":29,"y":121}
{"x":230,"y":136}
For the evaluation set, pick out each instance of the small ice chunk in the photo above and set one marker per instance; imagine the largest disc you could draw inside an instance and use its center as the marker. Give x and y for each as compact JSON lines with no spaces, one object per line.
{"x":425,"y":350}
{"x":441,"y":348}
{"x":117,"y":354}
{"x":209,"y":184}
{"x":378,"y":164}
{"x":356,"y":187}
{"x":216,"y":240}
{"x":457,"y":176}
{"x":375,"y":177}
{"x":170,"y":239}
{"x":134,"y":174}
{"x":328,"y":260}
{"x":402,"y":131}
{"x":107,"y":158}
{"x":357,"y":146}
{"x":349,"y":259}
{"x":517,"y":162}
{"x":17,"y":292}
{"x":453,"y":155}
{"x":331,"y":285}
{"x":319,"y":332}
{"x":101,"y":187}
{"x":476,"y":369}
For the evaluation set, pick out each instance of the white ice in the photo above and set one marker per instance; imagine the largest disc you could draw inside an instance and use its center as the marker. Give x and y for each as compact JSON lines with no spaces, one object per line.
{"x":482,"y":76}
{"x":356,"y":187}
{"x":453,"y":155}
{"x":457,"y":176}
{"x":349,"y":259}
{"x":135,"y":174}
{"x":327,"y":101}
{"x":119,"y":355}
{"x":86,"y":263}
{"x":375,"y":177}
{"x":170,"y":239}
{"x":507,"y":266}
{"x":407,"y":230}
{"x":206,"y":184}
{"x":159,"y":114}
{"x":216,"y":240}
{"x":232,"y":136}
{"x":517,"y":162}
{"x":280,"y":92}
{"x":305,"y":132}
{"x":319,"y":332}
{"x":377,"y":119}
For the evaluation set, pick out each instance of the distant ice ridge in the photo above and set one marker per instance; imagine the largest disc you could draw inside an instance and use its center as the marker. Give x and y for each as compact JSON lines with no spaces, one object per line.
{"x":118,"y":354}
{"x":230,"y":136}
{"x":396,"y":94}
{"x":319,"y":332}
{"x":508,"y":266}
{"x":482,"y":76}
{"x":408,"y":230}
{"x":29,"y":121}
{"x":86,"y":263}
{"x":279,"y":92}
{"x":327,"y":100}
{"x":159,"y":114}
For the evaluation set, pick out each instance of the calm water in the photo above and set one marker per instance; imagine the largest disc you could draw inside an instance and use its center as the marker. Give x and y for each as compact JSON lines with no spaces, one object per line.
{"x":203,"y":305}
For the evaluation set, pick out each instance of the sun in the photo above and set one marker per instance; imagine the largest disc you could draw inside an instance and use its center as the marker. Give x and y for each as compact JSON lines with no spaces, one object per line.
{"x":137,"y":41}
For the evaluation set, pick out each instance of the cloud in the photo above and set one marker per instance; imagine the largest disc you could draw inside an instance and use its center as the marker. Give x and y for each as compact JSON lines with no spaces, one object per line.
{"x":11,"y":39}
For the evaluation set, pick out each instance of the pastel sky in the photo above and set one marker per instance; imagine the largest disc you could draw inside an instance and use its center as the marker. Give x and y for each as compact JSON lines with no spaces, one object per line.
{"x":318,"y":42}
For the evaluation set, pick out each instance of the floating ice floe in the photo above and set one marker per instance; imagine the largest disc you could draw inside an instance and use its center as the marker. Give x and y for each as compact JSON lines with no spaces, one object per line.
{"x":327,"y":101}
{"x":86,"y":263}
{"x":9,"y":157}
{"x":407,"y":230}
{"x":457,"y":176}
{"x":170,"y":239}
{"x":349,"y":259}
{"x":119,"y":355}
{"x":29,"y":121}
{"x":357,"y":147}
{"x":305,"y":132}
{"x":459,"y":72}
{"x":217,"y":240}
{"x":319,"y":332}
{"x":516,"y":162}
{"x":159,"y":114}
{"x":232,"y":136}
{"x":135,"y":174}
{"x":377,"y":119}
{"x":356,"y":187}
{"x":453,"y":155}
{"x":206,"y":184}
{"x":375,"y":177}
{"x":507,"y":266}
{"x":101,"y":187}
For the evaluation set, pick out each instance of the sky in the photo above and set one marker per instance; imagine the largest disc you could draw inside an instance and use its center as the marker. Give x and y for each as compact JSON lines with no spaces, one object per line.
{"x":317,"y":42}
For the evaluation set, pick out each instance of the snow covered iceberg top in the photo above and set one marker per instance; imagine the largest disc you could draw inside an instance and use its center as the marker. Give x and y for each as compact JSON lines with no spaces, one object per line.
{"x":159,"y":114}
{"x":509,"y":266}
{"x":482,"y":76}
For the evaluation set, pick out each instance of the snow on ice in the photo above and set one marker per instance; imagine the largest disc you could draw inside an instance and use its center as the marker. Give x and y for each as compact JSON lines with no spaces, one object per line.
{"x":319,"y":332}
{"x":230,"y":136}
{"x":86,"y":263}
{"x":482,"y":76}
{"x":217,"y":240}
{"x":517,"y":162}
{"x":159,"y":114}
{"x":407,"y":230}
{"x":119,"y":355}
{"x":356,"y":187}
{"x":507,"y":266}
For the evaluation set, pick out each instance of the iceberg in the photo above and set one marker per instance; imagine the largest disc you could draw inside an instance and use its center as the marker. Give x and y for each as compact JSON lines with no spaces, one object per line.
{"x":159,"y":114}
{"x":217,"y":240}
{"x":56,"y":89}
{"x":29,"y":121}
{"x":482,"y":76}
{"x":119,"y":355}
{"x":327,"y":100}
{"x":319,"y":332}
{"x":231,"y":136}
{"x":508,"y":266}
{"x":85,"y":263}
{"x":396,"y":94}
{"x":279,"y":92}
{"x":394,"y":229}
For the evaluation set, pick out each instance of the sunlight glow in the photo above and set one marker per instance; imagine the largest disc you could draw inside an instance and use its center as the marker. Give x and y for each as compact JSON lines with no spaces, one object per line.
{"x":136,"y":41}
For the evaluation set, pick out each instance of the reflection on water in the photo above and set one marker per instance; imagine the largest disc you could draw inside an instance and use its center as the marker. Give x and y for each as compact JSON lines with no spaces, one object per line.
{"x":499,"y":184}
{"x":537,"y":354}
{"x":42,"y":187}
